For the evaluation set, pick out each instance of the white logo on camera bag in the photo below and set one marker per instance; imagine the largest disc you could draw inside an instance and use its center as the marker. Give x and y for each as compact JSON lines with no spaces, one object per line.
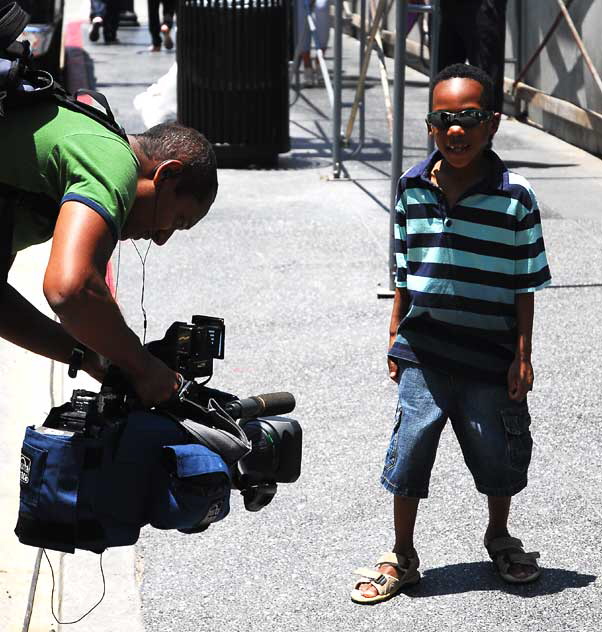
{"x":25,"y":469}
{"x":214,"y":511}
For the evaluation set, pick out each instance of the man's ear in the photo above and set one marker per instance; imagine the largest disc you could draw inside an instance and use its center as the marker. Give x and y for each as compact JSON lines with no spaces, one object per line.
{"x":165,"y":170}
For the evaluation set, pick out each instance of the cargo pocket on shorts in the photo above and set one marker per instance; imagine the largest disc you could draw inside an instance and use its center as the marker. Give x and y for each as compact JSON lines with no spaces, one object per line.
{"x":518,"y":437}
{"x":391,"y":456}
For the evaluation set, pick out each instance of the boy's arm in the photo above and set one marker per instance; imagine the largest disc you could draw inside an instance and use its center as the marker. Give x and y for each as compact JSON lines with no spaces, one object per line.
{"x":401,"y":304}
{"x":520,"y":373}
{"x":401,"y":300}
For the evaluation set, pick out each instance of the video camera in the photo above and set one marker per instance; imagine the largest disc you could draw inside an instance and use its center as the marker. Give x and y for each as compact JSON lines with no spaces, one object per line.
{"x":101,"y":466}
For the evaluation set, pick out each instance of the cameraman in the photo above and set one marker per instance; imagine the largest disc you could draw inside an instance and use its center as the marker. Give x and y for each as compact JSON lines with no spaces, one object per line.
{"x":65,"y":177}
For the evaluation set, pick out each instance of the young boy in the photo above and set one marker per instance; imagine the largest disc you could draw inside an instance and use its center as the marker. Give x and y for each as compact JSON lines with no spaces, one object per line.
{"x":470,"y":255}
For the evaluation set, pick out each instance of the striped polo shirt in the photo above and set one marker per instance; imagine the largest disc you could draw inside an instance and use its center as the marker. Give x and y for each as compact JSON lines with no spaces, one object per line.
{"x":462,"y":267}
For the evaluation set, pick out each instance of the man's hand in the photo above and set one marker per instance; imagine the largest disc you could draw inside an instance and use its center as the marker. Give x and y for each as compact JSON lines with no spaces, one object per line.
{"x":156,"y":383}
{"x":95,"y":365}
{"x":520,"y":378}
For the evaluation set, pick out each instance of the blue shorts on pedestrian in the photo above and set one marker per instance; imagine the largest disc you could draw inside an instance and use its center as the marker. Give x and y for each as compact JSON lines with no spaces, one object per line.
{"x":493,"y":432}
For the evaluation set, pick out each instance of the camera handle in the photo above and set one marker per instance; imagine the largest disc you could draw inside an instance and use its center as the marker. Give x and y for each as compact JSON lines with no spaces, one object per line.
{"x":255,"y":495}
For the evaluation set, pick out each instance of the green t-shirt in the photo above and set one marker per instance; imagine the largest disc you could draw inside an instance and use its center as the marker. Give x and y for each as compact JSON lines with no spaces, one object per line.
{"x":53,"y":155}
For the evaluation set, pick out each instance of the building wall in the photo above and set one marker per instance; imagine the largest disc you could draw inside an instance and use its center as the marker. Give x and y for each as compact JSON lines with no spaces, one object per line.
{"x":569,"y":104}
{"x":559,"y":70}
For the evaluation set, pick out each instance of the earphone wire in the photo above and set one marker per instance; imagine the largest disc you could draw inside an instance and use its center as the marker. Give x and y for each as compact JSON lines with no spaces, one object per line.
{"x":118,"y":268}
{"x":143,"y":261}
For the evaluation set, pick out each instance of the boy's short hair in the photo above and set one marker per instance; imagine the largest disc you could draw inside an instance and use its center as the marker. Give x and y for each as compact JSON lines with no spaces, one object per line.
{"x":466,"y":71}
{"x":172,"y":141}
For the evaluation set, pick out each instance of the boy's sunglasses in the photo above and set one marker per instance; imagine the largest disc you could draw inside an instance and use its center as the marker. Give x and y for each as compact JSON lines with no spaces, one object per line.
{"x":466,"y":119}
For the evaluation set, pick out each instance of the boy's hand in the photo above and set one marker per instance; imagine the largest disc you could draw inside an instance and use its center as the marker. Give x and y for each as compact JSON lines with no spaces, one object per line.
{"x":393,"y":370}
{"x":401,"y":303}
{"x":520,"y":378}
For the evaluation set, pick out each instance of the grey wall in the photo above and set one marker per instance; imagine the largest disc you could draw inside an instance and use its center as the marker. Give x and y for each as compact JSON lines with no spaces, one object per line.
{"x":559,"y":70}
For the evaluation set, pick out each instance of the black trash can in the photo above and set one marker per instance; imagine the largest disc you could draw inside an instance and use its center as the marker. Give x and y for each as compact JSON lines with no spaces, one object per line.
{"x":233,"y":77}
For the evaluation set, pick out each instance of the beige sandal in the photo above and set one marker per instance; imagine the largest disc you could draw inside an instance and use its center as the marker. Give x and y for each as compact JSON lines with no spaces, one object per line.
{"x":506,"y":551}
{"x":386,"y":585}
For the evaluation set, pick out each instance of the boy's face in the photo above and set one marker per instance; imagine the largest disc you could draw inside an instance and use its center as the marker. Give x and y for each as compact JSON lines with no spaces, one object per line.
{"x":461,"y":146}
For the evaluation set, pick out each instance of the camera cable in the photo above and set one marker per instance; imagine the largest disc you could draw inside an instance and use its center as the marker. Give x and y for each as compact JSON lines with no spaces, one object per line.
{"x":104,"y":589}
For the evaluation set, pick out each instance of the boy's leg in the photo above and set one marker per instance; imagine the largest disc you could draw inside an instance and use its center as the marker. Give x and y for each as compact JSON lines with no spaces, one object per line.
{"x":493,"y":432}
{"x":421,"y":416}
{"x":499,"y":509}
{"x":404,"y":517}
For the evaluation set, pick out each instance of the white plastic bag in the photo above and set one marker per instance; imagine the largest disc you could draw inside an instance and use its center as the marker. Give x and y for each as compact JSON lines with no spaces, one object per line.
{"x":159,"y":102}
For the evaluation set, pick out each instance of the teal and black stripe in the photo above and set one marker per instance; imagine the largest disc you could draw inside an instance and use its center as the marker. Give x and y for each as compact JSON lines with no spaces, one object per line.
{"x":463,"y":267}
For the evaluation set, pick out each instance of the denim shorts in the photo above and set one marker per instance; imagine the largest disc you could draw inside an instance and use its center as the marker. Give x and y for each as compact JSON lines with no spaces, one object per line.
{"x":493,"y":432}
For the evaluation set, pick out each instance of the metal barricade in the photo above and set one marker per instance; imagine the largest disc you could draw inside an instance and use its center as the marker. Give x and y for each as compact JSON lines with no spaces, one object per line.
{"x":401,"y":20}
{"x":233,"y":77}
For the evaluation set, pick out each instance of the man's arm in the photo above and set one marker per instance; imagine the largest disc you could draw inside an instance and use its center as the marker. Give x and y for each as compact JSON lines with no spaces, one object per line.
{"x":75,"y":289}
{"x":520,"y":373}
{"x":22,"y":324}
{"x":401,"y":303}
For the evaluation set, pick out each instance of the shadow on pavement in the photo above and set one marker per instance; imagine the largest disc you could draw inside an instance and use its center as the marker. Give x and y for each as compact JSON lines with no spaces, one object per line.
{"x":514,"y":164}
{"x":480,"y":576}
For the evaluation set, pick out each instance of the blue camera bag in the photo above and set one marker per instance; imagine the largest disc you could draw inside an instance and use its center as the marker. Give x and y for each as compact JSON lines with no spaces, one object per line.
{"x":94,"y":493}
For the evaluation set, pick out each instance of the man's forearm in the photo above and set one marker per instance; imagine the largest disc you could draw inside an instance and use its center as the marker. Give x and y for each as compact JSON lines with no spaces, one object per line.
{"x":22,"y":324}
{"x":92,"y":316}
{"x":525,"y":304}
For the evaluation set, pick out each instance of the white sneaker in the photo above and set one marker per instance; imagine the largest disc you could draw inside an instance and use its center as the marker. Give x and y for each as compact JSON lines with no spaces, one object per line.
{"x":94,"y":32}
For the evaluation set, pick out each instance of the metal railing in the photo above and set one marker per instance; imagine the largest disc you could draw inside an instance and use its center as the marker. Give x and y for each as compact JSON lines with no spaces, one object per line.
{"x":401,"y":21}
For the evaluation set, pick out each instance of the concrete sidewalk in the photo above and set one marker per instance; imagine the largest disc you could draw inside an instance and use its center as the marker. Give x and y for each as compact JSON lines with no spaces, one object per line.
{"x":293,"y":262}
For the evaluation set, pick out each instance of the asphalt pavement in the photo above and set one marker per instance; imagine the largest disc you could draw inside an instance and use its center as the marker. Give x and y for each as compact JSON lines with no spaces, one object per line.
{"x":293,"y":261}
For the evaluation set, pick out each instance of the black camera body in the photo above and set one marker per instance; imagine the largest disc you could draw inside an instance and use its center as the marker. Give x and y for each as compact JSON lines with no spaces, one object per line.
{"x":190,"y":348}
{"x":102,"y":466}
